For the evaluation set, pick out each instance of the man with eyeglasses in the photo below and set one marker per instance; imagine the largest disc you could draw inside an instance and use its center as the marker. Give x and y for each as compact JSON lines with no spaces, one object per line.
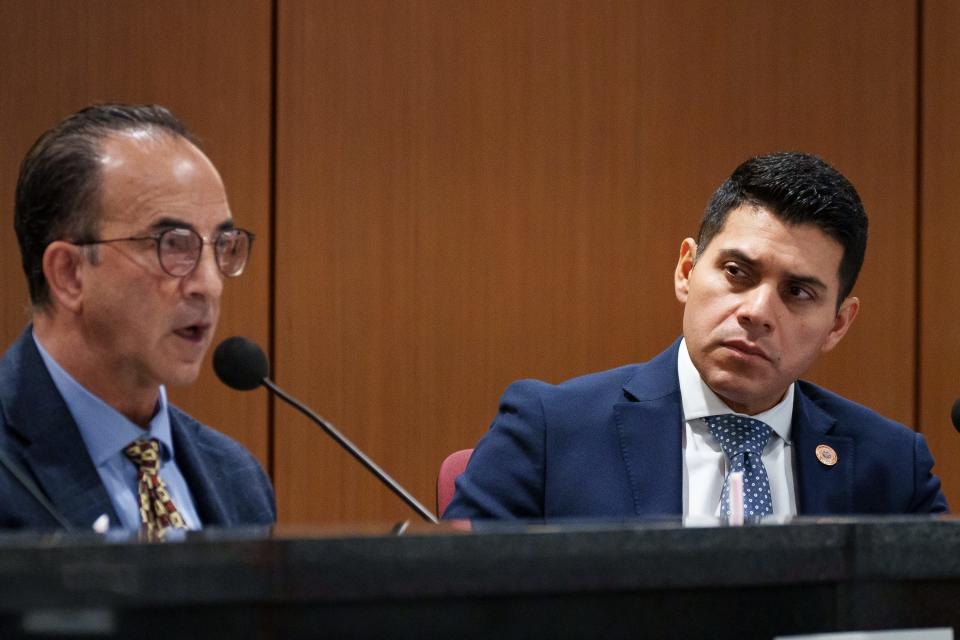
{"x":126,"y":237}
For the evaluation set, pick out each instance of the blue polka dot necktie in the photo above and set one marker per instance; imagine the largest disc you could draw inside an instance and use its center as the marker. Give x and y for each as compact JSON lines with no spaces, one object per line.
{"x":742,"y":440}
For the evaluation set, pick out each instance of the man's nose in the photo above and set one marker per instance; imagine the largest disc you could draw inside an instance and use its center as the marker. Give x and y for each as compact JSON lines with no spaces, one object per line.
{"x":758,"y":307}
{"x":205,"y":280}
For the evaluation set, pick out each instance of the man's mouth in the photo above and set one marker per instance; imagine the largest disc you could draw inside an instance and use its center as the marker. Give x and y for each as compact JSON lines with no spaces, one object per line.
{"x":746,"y":348}
{"x":193,"y":332}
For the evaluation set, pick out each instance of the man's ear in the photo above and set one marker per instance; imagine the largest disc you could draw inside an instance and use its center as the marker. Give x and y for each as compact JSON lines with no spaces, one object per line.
{"x":681,"y":276}
{"x":63,"y":269}
{"x":848,"y":310}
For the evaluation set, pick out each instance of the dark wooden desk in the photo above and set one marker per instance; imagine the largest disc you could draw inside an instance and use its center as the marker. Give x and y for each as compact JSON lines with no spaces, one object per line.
{"x":628,"y":580}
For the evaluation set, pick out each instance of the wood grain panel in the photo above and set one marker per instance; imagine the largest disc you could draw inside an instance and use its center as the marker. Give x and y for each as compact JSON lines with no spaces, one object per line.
{"x":472,"y":192}
{"x":939,"y":299}
{"x":210,"y":63}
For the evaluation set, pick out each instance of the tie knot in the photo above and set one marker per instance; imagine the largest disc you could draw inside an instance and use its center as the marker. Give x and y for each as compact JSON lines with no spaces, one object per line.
{"x":145,"y":454}
{"x":739,"y":434}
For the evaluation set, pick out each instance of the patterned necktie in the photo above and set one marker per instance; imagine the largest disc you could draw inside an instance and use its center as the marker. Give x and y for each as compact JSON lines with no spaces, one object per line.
{"x":157,"y":511}
{"x":742,"y":440}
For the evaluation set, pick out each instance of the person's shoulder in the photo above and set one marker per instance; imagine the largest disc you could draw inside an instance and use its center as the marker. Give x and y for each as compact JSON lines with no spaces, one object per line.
{"x":586,"y":383}
{"x":661,"y":368}
{"x":15,"y":357}
{"x":589,"y":394}
{"x":243,"y":485}
{"x":599,"y":390}
{"x":23,"y":374}
{"x":849,"y":414}
{"x":208,"y":439}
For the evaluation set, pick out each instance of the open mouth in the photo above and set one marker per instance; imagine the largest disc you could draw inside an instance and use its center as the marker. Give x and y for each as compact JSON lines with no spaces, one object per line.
{"x":194,"y":332}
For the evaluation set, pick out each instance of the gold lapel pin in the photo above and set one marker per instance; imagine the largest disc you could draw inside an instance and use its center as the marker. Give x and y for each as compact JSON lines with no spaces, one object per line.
{"x":826,"y":455}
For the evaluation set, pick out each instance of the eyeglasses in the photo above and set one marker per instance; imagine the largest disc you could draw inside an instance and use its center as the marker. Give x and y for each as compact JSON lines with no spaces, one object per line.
{"x":179,"y":249}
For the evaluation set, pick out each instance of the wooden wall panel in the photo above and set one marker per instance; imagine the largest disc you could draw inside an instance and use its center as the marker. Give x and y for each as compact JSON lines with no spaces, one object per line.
{"x":210,"y":63}
{"x":472,"y":192}
{"x":939,"y":294}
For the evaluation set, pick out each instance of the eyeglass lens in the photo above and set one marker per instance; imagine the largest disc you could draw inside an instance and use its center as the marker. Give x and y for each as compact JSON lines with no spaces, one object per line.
{"x":180,"y":249}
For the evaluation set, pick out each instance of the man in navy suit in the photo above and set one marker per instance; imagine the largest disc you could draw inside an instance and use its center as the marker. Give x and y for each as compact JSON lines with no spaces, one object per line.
{"x":126,"y":236}
{"x":766,"y":288}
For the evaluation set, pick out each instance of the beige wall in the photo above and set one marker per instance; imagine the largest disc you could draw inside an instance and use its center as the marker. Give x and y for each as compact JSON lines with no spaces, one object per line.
{"x":464,"y":193}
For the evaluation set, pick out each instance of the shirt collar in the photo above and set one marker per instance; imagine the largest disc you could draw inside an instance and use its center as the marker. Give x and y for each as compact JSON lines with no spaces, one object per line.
{"x":105,"y":431}
{"x":699,"y":400}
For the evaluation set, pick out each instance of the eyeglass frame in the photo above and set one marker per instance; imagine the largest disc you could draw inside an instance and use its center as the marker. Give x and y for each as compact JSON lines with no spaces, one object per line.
{"x":156,"y":237}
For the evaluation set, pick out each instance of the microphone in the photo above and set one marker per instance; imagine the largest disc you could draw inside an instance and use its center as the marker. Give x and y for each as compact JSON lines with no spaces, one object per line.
{"x":242,"y":365}
{"x":955,"y":415}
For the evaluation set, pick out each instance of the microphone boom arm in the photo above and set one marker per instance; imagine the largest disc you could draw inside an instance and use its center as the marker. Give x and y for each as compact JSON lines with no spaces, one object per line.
{"x":342,"y":440}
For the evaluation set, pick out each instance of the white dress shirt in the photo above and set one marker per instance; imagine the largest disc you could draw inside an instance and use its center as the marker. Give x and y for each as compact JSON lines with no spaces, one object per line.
{"x":704,"y":463}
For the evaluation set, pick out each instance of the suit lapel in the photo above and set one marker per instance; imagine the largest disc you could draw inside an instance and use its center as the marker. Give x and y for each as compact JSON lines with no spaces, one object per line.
{"x":822,"y":489}
{"x":190,"y":460}
{"x":53,"y":450}
{"x":653,"y":461}
{"x":649,"y":424}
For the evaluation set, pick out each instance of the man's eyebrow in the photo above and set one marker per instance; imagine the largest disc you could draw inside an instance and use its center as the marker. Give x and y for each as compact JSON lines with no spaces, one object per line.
{"x":176,"y":223}
{"x":811,"y":281}
{"x":795,"y":278}
{"x":170,"y":223}
{"x":736,"y":254}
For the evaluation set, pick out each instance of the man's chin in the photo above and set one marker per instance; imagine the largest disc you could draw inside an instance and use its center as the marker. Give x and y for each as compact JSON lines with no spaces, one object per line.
{"x":735,"y":391}
{"x":745,"y":398}
{"x":182,"y":376}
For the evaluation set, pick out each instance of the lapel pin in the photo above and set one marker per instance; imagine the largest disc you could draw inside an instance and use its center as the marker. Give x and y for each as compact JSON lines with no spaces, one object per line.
{"x":826,"y":455}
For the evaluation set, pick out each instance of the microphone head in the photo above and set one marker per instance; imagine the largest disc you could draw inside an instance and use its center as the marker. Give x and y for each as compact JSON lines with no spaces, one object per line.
{"x":240,"y":363}
{"x":955,"y":414}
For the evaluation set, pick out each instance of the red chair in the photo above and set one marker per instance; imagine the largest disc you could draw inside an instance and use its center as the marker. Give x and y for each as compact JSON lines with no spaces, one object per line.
{"x":452,"y":467}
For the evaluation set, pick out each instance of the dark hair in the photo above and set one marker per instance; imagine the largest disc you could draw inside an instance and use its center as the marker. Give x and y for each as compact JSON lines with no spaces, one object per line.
{"x":58,"y":189}
{"x":799,"y":189}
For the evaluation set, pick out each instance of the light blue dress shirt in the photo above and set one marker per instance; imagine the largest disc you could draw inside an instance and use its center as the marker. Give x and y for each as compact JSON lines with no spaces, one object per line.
{"x":106,"y":432}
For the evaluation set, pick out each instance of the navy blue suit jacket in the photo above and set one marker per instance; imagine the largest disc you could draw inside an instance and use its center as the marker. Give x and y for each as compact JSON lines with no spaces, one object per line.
{"x":38,"y":433}
{"x":608,"y":445}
